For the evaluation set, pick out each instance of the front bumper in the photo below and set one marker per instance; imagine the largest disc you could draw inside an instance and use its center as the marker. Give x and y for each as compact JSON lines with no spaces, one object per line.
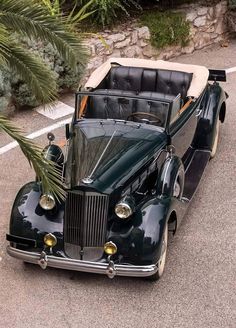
{"x":110,"y":269}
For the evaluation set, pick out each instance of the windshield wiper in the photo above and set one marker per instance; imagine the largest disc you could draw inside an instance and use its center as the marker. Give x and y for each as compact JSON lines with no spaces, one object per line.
{"x":89,"y":179}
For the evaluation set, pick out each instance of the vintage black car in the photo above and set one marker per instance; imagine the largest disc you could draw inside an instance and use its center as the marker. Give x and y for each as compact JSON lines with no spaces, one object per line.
{"x":141,"y":136}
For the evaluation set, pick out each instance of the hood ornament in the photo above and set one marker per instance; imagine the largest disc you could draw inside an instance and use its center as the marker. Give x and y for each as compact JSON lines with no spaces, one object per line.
{"x":87,"y":180}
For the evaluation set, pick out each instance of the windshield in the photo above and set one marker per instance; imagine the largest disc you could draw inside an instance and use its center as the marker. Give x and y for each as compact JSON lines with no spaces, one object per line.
{"x":98,"y":146}
{"x":146,"y":107}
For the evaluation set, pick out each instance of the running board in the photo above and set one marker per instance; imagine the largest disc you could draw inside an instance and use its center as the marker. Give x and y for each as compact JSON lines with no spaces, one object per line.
{"x":194,"y":172}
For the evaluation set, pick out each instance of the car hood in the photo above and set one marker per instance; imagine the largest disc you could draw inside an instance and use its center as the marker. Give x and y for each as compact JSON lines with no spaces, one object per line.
{"x":105,"y":155}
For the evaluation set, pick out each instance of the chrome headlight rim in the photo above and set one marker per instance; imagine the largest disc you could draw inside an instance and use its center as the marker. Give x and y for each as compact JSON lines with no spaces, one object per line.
{"x":125,"y":208}
{"x":47,"y":202}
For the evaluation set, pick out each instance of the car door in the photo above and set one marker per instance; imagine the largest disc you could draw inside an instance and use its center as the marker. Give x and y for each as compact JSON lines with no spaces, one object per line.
{"x":182,"y":127}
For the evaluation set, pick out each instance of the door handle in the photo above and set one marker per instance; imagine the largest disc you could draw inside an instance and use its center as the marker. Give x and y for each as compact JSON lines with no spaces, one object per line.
{"x":199,"y":112}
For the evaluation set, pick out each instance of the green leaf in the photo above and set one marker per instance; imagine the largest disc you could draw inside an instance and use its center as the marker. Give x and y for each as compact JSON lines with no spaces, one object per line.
{"x":45,"y":170}
{"x":33,"y":20}
{"x":38,"y":76}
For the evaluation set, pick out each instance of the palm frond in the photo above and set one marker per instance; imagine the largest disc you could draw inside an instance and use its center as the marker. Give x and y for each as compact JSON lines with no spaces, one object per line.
{"x":33,"y":71}
{"x":4,"y":50}
{"x":33,"y":20}
{"x":45,"y":170}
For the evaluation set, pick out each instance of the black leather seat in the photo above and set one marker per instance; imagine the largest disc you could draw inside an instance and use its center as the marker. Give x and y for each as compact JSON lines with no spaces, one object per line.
{"x":106,"y":106}
{"x":125,"y":78}
{"x":143,"y":79}
{"x":150,"y":83}
{"x":150,"y":105}
{"x":173,"y":82}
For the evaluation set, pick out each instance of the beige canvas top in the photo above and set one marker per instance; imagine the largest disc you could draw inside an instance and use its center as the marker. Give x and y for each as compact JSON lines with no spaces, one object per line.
{"x":198,"y":83}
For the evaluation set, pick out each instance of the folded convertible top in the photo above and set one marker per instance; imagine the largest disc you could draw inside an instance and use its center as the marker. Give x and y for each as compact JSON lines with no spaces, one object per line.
{"x":199,"y":80}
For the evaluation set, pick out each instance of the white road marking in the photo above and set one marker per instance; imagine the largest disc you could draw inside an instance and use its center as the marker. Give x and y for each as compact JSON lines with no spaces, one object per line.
{"x":55,"y":111}
{"x":230,"y":70}
{"x":35,"y":134}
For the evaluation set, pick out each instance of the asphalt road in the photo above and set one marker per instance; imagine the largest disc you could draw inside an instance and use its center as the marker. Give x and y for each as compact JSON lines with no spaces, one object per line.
{"x":198,"y":287}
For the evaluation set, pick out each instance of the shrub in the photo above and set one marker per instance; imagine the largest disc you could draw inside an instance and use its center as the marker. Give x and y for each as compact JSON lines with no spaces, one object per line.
{"x":106,"y":11}
{"x":166,"y":28}
{"x":232,"y":4}
{"x":11,"y":86}
{"x":5,"y":90}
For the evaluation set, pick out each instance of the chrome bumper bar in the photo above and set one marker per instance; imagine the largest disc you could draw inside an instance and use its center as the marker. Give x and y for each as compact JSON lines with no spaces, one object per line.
{"x":110,"y":269}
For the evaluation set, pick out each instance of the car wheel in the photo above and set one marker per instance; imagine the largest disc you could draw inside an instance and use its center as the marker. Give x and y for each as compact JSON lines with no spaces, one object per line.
{"x":162,"y":260}
{"x":216,"y":139}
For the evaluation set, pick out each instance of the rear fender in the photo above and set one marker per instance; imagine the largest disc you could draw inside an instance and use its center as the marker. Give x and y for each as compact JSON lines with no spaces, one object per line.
{"x":213,"y":106}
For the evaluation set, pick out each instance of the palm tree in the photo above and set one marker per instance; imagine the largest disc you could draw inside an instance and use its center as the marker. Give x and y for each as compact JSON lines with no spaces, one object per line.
{"x":48,"y":173}
{"x":32,"y":19}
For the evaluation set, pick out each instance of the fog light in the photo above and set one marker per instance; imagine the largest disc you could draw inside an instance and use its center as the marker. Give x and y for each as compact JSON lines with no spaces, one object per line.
{"x":50,"y":240}
{"x":110,"y":248}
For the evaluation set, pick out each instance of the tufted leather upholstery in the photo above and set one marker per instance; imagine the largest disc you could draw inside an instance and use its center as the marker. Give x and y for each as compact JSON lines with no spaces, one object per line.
{"x":125,"y":78}
{"x":111,"y":107}
{"x":173,"y":82}
{"x":142,"y":79}
{"x":153,"y":107}
{"x":150,"y":83}
{"x":118,"y":107}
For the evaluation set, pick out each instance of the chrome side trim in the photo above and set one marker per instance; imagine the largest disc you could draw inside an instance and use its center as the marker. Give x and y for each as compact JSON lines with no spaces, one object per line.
{"x":84,"y":266}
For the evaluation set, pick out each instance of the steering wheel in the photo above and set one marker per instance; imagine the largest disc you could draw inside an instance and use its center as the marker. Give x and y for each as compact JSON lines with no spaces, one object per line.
{"x":157,"y":119}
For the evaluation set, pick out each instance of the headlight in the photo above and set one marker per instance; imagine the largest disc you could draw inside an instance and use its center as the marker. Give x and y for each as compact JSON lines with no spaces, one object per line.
{"x":123,"y":210}
{"x":47,"y":202}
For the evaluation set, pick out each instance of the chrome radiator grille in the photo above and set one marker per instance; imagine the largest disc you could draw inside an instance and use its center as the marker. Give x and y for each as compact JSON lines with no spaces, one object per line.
{"x":85,"y":219}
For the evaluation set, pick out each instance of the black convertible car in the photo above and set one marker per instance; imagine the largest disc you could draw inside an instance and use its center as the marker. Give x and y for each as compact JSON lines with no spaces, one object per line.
{"x":141,"y":136}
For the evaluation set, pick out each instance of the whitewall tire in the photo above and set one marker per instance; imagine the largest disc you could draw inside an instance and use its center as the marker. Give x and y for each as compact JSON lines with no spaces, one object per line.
{"x":216,"y":139}
{"x":162,"y":260}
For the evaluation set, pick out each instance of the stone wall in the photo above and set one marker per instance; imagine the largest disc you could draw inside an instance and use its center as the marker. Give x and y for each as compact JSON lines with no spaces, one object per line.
{"x":208,"y":26}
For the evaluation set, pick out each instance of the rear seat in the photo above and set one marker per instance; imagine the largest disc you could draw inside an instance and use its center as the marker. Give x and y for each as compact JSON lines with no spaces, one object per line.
{"x":142,"y":79}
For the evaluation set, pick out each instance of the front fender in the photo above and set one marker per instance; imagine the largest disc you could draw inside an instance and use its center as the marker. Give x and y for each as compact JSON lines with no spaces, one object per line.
{"x":29,"y":220}
{"x":171,"y":169}
{"x":155,"y":214}
{"x":139,"y":240}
